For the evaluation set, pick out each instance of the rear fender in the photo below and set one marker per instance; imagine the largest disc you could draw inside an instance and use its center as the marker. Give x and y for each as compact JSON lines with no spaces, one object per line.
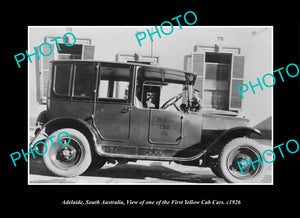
{"x":73,"y":123}
{"x":217,"y":145}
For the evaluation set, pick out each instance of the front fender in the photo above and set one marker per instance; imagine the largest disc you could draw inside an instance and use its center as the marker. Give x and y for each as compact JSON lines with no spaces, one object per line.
{"x":216,"y":146}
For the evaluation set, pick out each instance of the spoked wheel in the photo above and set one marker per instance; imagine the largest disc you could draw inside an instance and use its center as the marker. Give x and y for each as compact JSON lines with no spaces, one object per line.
{"x":235,"y":151}
{"x":70,"y":159}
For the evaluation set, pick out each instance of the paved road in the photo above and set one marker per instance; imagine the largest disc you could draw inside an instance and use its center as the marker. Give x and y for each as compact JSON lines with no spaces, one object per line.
{"x":142,"y":172}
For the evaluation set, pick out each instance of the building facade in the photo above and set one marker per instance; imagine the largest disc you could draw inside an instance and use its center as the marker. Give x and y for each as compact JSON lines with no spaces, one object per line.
{"x":222,"y":57}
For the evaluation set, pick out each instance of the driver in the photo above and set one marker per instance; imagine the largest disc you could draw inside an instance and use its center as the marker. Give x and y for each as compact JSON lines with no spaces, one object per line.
{"x":150,"y":100}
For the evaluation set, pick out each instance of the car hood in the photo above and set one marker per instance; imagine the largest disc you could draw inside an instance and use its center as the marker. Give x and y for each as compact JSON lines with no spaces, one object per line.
{"x":222,"y":120}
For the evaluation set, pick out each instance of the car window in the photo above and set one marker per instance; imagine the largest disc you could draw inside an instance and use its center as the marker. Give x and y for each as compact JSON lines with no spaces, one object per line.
{"x":85,"y":81}
{"x":169,"y":91}
{"x":114,"y":83}
{"x":62,"y":79}
{"x":155,"y":87}
{"x":155,"y":95}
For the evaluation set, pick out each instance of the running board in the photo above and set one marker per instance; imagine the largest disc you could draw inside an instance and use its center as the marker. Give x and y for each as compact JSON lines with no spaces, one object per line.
{"x":100,"y":151}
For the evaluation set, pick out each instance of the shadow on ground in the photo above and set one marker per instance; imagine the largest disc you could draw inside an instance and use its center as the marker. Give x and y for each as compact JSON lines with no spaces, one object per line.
{"x":133,"y":171}
{"x":136,"y":172}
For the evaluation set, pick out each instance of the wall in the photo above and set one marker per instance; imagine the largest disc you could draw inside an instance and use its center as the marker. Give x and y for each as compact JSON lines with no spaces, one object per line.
{"x":258,"y":62}
{"x":171,"y":50}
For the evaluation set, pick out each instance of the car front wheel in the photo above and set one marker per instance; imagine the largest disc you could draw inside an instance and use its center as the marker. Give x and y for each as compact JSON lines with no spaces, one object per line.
{"x":239,"y":150}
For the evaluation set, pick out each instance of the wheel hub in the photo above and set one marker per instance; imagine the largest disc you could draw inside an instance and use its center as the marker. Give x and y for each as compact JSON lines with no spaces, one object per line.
{"x":238,"y":156}
{"x":68,"y":153}
{"x":243,"y":164}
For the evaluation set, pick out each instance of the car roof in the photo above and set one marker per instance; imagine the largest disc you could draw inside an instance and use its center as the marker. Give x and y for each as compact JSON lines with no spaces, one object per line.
{"x":156,"y":68}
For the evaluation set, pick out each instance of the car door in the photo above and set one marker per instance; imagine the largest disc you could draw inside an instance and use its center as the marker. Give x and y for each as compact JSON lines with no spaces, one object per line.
{"x":113,"y":109}
{"x":151,"y":125}
{"x":165,"y":127}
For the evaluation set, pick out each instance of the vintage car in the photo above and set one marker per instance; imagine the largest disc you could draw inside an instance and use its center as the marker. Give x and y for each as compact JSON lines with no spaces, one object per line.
{"x":120,"y":112}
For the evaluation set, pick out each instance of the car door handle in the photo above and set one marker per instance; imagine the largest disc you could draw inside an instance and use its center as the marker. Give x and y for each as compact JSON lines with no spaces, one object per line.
{"x":126,"y":109}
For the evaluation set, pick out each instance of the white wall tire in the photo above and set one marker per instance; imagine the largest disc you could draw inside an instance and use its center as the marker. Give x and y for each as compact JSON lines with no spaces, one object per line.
{"x":241,"y":149}
{"x":68,"y":160}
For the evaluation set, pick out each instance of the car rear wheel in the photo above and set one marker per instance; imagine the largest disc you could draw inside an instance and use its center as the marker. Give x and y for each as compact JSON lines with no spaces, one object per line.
{"x":235,"y":151}
{"x":71,"y":159}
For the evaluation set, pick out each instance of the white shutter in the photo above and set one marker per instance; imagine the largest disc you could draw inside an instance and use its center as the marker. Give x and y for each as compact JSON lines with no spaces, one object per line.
{"x":236,"y":80}
{"x":197,"y":66}
{"x":88,"y":52}
{"x":43,"y":67}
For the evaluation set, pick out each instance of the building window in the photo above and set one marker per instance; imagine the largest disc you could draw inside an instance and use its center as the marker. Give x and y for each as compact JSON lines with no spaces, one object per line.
{"x":217,"y":80}
{"x":218,"y":75}
{"x":81,"y":50}
{"x":137,"y":58}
